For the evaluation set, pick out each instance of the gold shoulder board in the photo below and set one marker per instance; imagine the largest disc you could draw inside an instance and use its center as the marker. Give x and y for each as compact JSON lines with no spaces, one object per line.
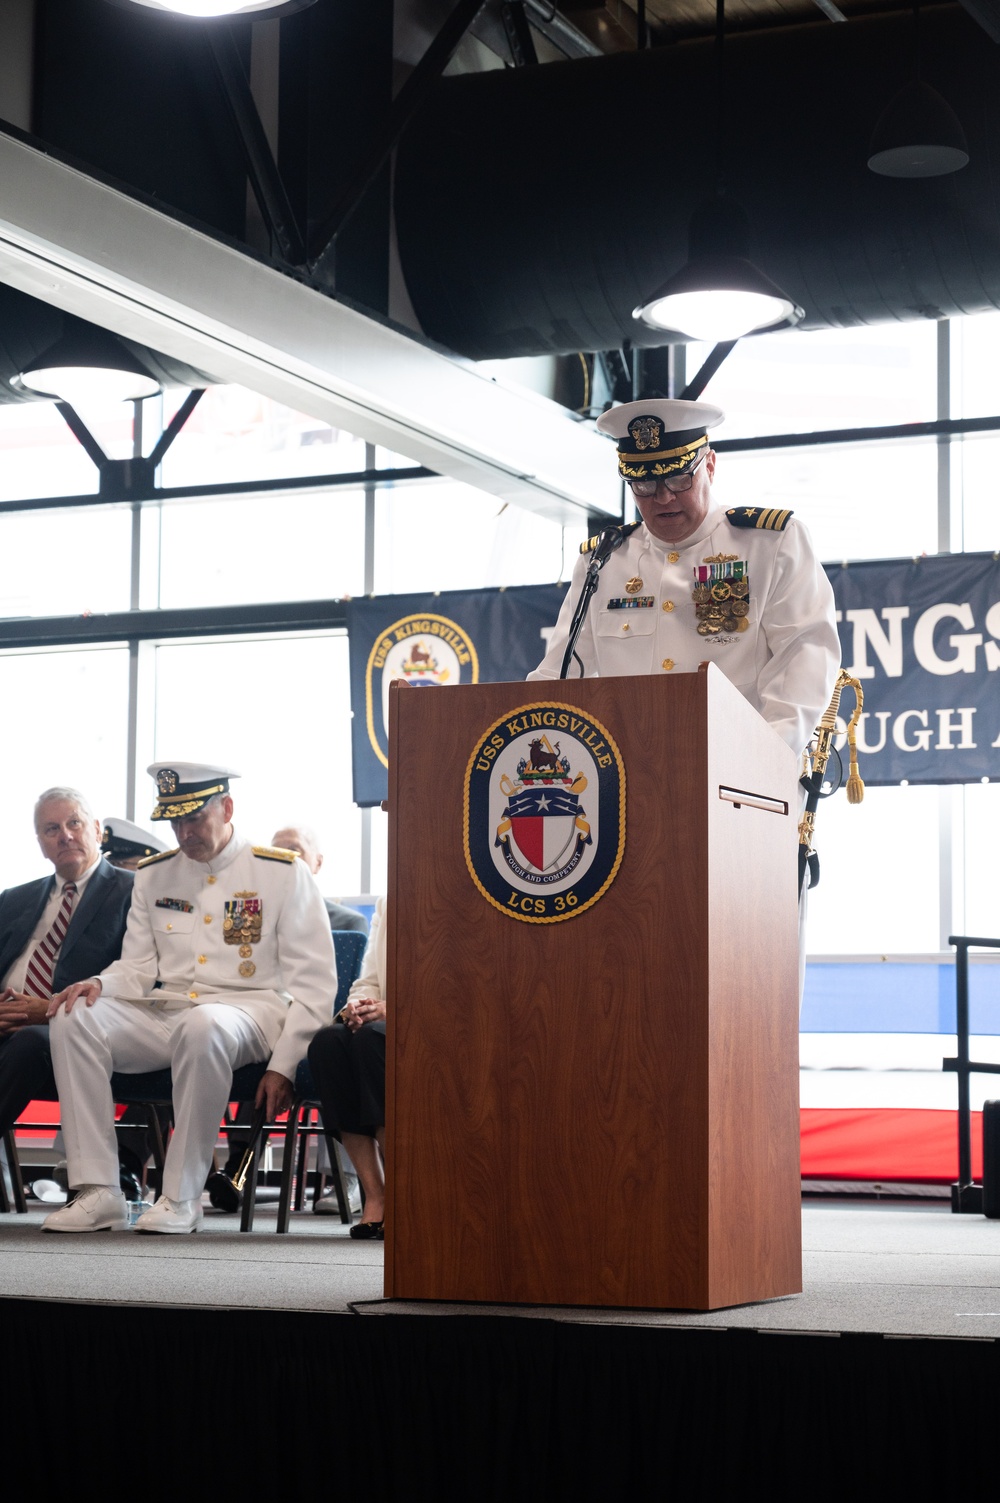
{"x":160,"y":856}
{"x":764,"y":518}
{"x":274,"y":853}
{"x":591,"y":543}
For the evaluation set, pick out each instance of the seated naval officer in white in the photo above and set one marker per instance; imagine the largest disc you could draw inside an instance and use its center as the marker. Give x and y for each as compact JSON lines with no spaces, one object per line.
{"x":124,"y":844}
{"x":227,"y":960}
{"x":692,"y":581}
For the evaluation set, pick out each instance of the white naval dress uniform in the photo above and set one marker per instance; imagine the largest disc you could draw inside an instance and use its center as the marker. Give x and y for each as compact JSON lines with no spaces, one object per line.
{"x":785,"y":663}
{"x":177,"y":998}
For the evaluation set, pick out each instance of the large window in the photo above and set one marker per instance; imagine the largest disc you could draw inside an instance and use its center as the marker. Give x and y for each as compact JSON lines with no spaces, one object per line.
{"x":805,"y":381}
{"x":65,"y":718}
{"x":277,"y":711}
{"x":65,"y":563}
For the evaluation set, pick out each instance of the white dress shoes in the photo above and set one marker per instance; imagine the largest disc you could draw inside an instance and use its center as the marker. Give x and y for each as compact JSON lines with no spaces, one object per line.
{"x":97,"y":1208}
{"x":328,"y":1206}
{"x":171,"y":1216}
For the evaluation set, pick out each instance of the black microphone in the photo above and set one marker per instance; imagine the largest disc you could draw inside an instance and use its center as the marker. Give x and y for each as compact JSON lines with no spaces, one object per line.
{"x":611,"y":538}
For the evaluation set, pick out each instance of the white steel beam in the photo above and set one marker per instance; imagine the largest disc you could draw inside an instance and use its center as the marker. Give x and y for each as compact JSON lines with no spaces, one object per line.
{"x":91,"y":250}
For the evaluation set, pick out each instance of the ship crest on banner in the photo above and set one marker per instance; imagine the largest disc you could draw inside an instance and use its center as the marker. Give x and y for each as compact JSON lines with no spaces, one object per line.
{"x":544,"y":813}
{"x":428,"y":651}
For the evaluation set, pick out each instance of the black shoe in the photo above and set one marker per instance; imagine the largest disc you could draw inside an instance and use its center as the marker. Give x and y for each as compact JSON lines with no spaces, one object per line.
{"x":222,"y":1193}
{"x":129,"y":1184}
{"x":368,"y":1231}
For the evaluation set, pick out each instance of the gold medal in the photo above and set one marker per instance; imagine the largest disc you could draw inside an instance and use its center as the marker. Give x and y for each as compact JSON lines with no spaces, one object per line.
{"x":634,"y":586}
{"x":730,"y":624}
{"x":227,"y":924}
{"x":247,"y":968}
{"x":246,"y":951}
{"x":742,"y":624}
{"x":740,"y":607}
{"x":741,"y":588}
{"x":702,"y":594}
{"x":722,"y":590}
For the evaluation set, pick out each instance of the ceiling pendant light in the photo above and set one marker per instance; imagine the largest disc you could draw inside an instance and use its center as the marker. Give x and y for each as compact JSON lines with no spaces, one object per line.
{"x":918,"y":133}
{"x":88,"y":365}
{"x":217,"y":10}
{"x":718,"y":294}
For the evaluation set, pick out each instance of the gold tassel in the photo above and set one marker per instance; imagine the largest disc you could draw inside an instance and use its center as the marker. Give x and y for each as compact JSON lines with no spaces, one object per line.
{"x":855,"y":787}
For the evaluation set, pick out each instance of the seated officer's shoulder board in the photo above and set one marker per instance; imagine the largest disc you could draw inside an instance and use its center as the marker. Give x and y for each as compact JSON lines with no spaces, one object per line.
{"x":274,"y":853}
{"x":763,"y":518}
{"x":591,"y":543}
{"x":160,"y":856}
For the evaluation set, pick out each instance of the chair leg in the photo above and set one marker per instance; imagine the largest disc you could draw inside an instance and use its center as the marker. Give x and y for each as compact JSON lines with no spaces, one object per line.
{"x":337,"y":1175}
{"x":288,"y":1157}
{"x":250,"y":1188}
{"x":4,"y":1197}
{"x":16,"y":1182}
{"x":302,"y":1165}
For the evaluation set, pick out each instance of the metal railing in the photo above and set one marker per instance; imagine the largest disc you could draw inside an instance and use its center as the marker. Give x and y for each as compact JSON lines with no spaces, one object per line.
{"x":966,"y":1194}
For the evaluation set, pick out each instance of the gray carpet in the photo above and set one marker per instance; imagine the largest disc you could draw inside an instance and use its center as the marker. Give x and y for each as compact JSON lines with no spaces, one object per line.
{"x":901,"y":1268}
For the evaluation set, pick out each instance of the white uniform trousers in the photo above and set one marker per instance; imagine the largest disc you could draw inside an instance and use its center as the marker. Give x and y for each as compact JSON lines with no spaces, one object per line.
{"x":201,"y":1045}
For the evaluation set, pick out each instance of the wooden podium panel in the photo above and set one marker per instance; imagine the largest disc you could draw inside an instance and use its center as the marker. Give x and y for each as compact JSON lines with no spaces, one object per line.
{"x":601,"y":1111}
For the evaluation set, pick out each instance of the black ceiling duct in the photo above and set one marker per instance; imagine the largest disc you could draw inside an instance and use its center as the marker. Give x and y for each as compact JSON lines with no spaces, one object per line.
{"x":536,"y":207}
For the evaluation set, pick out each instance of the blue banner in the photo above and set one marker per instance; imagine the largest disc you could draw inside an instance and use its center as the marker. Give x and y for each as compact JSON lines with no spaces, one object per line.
{"x":923,"y":638}
{"x":458,"y":637}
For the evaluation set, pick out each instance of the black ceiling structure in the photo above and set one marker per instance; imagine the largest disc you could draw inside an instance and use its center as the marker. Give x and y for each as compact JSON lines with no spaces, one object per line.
{"x":534,"y":166}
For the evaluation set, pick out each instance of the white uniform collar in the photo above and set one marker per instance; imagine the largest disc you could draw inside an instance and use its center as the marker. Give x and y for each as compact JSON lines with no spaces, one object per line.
{"x":226,"y":856}
{"x":713,"y":517}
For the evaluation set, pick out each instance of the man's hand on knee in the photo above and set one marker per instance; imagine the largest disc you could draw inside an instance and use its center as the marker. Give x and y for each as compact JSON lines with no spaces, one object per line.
{"x":276,"y":1090}
{"x":85,"y":991}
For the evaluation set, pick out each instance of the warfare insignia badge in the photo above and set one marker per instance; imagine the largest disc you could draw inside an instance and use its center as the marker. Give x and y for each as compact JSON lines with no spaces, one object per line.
{"x":645,"y":432}
{"x":544,"y":813}
{"x":428,"y":651}
{"x":166,"y":781}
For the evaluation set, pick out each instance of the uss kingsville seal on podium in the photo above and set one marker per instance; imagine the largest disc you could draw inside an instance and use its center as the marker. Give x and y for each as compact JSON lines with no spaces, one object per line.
{"x":544,"y":813}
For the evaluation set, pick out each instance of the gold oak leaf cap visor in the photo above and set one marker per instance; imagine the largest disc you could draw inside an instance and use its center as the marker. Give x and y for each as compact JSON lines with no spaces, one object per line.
{"x":658,"y":436}
{"x":184,"y":787}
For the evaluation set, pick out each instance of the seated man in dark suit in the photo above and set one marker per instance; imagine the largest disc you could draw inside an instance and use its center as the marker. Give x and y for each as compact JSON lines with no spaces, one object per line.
{"x":55,"y":931}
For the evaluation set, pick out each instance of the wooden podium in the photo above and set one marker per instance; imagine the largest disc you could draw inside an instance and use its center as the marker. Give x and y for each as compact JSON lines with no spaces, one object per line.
{"x":603,"y":1110}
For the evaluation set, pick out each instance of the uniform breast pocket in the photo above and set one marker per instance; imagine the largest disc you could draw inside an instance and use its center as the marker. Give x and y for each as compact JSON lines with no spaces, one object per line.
{"x":168,"y":921}
{"x":621,"y":625}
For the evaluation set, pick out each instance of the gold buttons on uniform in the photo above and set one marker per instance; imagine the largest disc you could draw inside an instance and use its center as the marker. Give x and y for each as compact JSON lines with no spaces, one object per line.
{"x":208,"y":918}
{"x":668,"y":663}
{"x":672,"y":558}
{"x":668,"y":605}
{"x":170,"y":926}
{"x":202,"y":959}
{"x":193,"y":996}
{"x":625,"y":626}
{"x":209,"y":879}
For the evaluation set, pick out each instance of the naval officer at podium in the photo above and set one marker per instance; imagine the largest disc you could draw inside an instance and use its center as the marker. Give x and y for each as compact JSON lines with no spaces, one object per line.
{"x":692,"y":580}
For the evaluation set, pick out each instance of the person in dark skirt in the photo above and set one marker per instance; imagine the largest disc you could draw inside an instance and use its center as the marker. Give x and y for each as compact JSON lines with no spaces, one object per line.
{"x":347,"y":1059}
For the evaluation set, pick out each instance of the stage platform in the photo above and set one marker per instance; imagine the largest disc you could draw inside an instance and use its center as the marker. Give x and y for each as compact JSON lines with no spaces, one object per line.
{"x":257,"y":1347}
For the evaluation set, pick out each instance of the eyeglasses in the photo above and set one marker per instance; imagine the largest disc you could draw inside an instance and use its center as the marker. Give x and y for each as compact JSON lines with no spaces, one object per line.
{"x":674,"y":483}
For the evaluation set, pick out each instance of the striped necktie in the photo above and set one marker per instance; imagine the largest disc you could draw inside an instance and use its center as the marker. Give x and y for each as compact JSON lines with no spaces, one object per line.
{"x":42,"y":965}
